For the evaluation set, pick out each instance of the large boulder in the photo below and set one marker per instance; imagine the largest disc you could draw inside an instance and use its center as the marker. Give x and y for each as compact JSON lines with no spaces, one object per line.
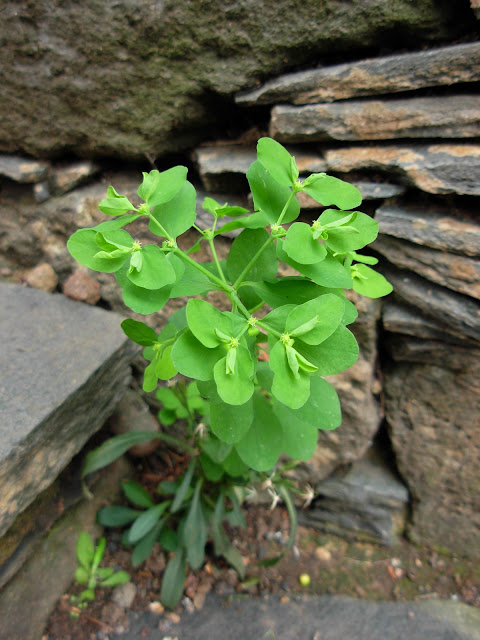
{"x":124,"y":78}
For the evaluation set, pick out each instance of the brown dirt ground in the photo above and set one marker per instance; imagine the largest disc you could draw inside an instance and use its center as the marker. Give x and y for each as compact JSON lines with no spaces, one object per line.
{"x":335,"y":566}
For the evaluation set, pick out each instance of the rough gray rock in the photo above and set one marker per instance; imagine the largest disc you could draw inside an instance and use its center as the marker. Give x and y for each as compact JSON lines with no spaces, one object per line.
{"x":455,"y":357}
{"x":321,"y":617}
{"x":437,"y":168}
{"x":460,"y":313}
{"x":406,"y":320}
{"x":133,"y":414}
{"x":433,"y":415}
{"x":455,"y":272}
{"x":375,"y":76}
{"x":435,"y":228}
{"x":438,"y":117}
{"x":23,"y":169}
{"x":145,"y":76}
{"x":64,"y":368}
{"x":368,"y":502}
{"x":68,"y":176}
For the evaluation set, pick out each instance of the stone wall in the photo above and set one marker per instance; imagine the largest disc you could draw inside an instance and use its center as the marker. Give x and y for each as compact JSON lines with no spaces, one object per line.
{"x":404,"y":127}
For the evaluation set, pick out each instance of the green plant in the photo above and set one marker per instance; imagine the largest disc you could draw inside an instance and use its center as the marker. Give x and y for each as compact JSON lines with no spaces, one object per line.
{"x":90,"y":574}
{"x":257,"y":410}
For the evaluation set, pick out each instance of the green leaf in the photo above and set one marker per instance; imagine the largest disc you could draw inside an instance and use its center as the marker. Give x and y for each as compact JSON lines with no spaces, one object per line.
{"x":167,"y":398}
{"x":164,"y":368}
{"x":269,"y":196}
{"x":193,"y":282}
{"x":139,"y":332}
{"x":328,"y":190}
{"x":213,"y":471}
{"x":234,"y":465}
{"x":277,"y":161}
{"x":290,"y":389}
{"x":231,"y":422}
{"x":183,"y":488}
{"x":327,"y":273}
{"x":299,"y":441}
{"x":289,"y":290}
{"x":145,"y":301}
{"x":115,"y":447}
{"x":85,"y":550}
{"x":321,"y":411}
{"x":300,"y":245}
{"x":328,"y":311}
{"x":173,"y":580}
{"x":156,"y":271}
{"x":82,"y":575}
{"x":136,"y":494}
{"x":150,"y":379}
{"x":144,"y":547}
{"x":261,"y":446}
{"x":258,"y":220}
{"x":105,"y":572}
{"x":203,"y":318}
{"x":335,"y":354}
{"x":120,"y":577}
{"x":340,"y":242}
{"x":117,"y":516}
{"x":117,"y":223}
{"x":237,"y":387}
{"x":158,"y":188}
{"x":178,"y":214}
{"x":244,"y":247}
{"x":168,"y":539}
{"x":215,"y":448}
{"x":208,"y":390}
{"x":145,"y":523}
{"x":195,"y":532}
{"x":369,"y":283}
{"x":83,"y":246}
{"x":115,"y":204}
{"x":219,"y":211}
{"x":192,"y":359}
{"x":99,"y":553}
{"x":277,"y":319}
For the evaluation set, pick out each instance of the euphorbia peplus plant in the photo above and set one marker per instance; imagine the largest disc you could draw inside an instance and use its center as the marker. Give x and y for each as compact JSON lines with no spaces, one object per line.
{"x":258,"y":410}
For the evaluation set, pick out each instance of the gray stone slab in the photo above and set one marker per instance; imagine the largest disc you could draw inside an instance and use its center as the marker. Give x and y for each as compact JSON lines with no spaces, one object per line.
{"x":23,"y":169}
{"x":312,"y":618}
{"x":368,"y":502}
{"x":64,"y":367}
{"x":438,"y":117}
{"x":436,"y":168}
{"x":375,"y":76}
{"x":438,"y":228}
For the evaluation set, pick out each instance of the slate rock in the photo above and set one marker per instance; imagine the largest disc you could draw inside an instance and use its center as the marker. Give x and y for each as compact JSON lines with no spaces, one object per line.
{"x":406,"y":320}
{"x":66,"y":177}
{"x":455,"y":272}
{"x":323,"y":617}
{"x":437,"y":228}
{"x":64,"y":368}
{"x":375,"y":76}
{"x":460,"y":313}
{"x":23,"y":169}
{"x":433,"y":414}
{"x":368,"y":502}
{"x":29,"y":598}
{"x":438,"y":117}
{"x":437,"y":168}
{"x":146,"y":76}
{"x":454,"y":357}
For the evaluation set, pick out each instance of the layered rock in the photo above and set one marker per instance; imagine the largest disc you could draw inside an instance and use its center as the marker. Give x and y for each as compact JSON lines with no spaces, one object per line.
{"x":376,"y":76}
{"x":448,"y":117}
{"x":64,"y":368}
{"x":436,"y":168}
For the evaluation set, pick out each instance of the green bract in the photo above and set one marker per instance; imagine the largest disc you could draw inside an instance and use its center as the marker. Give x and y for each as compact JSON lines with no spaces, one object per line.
{"x":257,"y":362}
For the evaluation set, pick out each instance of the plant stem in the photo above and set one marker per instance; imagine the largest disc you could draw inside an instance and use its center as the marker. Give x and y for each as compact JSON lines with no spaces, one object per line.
{"x":284,"y":211}
{"x":198,"y":265}
{"x":241,"y":277}
{"x":160,"y":228}
{"x":217,"y":262}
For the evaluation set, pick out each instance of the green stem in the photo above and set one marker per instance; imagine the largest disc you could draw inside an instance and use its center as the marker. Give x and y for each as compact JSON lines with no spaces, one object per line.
{"x":274,"y":332}
{"x":217,"y":261}
{"x":198,"y":265}
{"x":240,"y":278}
{"x":160,"y":228}
{"x":284,"y":211}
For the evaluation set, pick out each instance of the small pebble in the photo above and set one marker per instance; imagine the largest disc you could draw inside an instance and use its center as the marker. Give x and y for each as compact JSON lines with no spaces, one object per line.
{"x":80,"y":286}
{"x":124,"y":595}
{"x":323,"y":554}
{"x":42,"y":277}
{"x":156,"y":608}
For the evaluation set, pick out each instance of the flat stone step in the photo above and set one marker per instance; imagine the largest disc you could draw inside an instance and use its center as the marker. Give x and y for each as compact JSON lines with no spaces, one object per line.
{"x":448,"y":117}
{"x":375,"y":76}
{"x":64,"y":365}
{"x":314,"y":618}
